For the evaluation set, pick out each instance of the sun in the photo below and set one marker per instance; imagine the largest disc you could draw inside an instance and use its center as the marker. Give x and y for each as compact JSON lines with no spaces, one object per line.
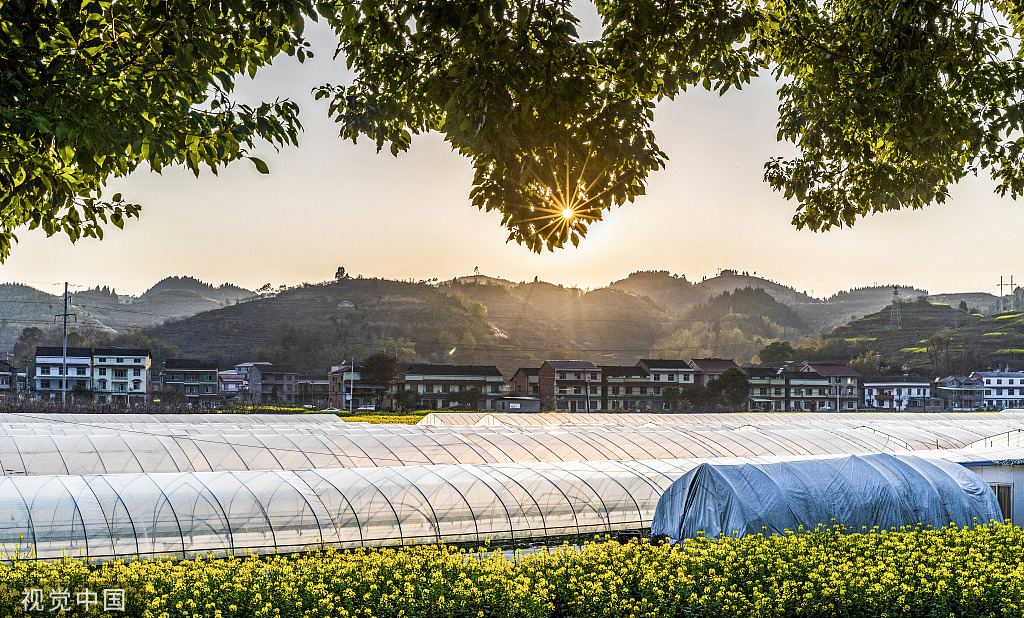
{"x":568,"y":213}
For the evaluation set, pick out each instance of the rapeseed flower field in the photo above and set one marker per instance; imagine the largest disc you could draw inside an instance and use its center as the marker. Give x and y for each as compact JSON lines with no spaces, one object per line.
{"x":822,"y":573}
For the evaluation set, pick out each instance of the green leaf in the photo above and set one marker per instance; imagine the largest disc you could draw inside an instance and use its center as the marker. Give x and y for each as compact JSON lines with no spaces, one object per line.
{"x":261,"y":167}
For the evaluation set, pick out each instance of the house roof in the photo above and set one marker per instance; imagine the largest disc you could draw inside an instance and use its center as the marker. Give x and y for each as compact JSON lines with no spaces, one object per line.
{"x":120,"y":352}
{"x":664,"y":363}
{"x":623,"y":371}
{"x":833,"y":370}
{"x":1000,"y":374}
{"x":452,"y":370}
{"x":190,"y":363}
{"x":59,"y":351}
{"x":570,"y":364}
{"x":713,"y":365}
{"x":761,"y":372}
{"x":274,"y":369}
{"x":5,"y":366}
{"x":528,"y":371}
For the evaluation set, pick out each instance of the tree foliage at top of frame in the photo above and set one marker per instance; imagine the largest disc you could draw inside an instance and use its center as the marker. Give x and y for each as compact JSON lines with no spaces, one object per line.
{"x":889,"y":102}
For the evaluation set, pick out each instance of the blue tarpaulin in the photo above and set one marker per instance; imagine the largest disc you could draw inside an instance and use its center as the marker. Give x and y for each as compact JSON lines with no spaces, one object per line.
{"x":859,"y":492}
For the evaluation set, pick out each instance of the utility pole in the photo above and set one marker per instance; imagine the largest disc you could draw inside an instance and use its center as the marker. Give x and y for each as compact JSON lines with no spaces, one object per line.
{"x":1000,"y":293}
{"x":64,"y":350}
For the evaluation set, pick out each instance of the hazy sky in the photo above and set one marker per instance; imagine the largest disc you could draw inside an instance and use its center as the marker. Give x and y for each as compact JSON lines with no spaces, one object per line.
{"x":331,"y":203}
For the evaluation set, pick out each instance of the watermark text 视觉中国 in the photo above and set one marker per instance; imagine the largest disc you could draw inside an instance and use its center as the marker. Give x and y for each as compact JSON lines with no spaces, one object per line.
{"x":58,"y":599}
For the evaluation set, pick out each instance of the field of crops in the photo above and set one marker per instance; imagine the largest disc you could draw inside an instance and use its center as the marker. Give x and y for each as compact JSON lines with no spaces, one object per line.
{"x":826,"y":573}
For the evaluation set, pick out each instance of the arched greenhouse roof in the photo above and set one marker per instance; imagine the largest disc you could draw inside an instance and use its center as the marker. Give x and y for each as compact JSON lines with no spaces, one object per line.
{"x":83,"y":448}
{"x":860,"y":492}
{"x":581,"y":418}
{"x":196,"y":513}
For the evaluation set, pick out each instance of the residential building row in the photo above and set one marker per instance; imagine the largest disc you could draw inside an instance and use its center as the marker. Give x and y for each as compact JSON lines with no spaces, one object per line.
{"x":126,"y":376}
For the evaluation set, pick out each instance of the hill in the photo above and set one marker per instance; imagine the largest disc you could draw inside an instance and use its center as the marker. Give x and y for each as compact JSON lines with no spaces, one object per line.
{"x":170,"y":298}
{"x":315,"y":326}
{"x":933,"y":339}
{"x":733,"y":325}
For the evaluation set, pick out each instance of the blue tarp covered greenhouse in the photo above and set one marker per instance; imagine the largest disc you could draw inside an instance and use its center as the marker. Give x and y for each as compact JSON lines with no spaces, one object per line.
{"x":858,"y":492}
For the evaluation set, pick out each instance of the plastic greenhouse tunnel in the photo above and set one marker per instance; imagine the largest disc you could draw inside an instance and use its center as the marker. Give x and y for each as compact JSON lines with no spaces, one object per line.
{"x":860,"y":493}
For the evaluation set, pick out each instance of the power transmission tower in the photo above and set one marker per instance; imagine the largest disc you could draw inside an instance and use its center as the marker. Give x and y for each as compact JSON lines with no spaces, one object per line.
{"x":894,"y":313}
{"x":64,"y":360}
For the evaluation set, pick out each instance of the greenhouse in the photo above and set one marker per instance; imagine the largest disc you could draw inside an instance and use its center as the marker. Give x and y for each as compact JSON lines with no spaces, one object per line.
{"x":113,"y":485}
{"x":70,"y":447}
{"x":186,"y":514}
{"x":582,"y":418}
{"x":858,"y":492}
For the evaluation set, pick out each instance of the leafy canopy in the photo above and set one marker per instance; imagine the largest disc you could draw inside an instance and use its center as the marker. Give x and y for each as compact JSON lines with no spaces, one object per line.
{"x":888,"y":102}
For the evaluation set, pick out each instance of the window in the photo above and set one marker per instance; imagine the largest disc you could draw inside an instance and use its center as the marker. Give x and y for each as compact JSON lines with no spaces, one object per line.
{"x":44,"y":371}
{"x":593,"y":376}
{"x":629,"y":390}
{"x":44,"y":384}
{"x":671,"y":377}
{"x":656,"y":377}
{"x":103,"y":360}
{"x":80,"y":371}
{"x":103,"y":371}
{"x":209,"y":389}
{"x":120,"y":373}
{"x":999,"y":381}
{"x":103,"y":384}
{"x":615,"y":390}
{"x":1004,"y":495}
{"x":577,"y":391}
{"x":643,"y":390}
{"x":137,"y":372}
{"x":136,"y":384}
{"x":561,"y":376}
{"x":120,"y":360}
{"x":138,"y":360}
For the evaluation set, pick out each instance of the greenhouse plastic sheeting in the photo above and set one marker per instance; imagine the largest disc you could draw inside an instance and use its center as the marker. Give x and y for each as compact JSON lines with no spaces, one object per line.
{"x":82,"y":448}
{"x":187,"y":514}
{"x":858,"y":492}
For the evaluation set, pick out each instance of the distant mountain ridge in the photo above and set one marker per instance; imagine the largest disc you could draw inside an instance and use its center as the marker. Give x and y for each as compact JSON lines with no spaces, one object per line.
{"x":466,"y":320}
{"x":103,"y":308}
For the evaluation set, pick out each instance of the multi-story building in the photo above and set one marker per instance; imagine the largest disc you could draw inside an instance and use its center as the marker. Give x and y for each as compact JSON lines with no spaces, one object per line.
{"x":347,"y":390}
{"x":233,"y":386}
{"x":900,"y":395}
{"x":768,"y":389}
{"x":569,"y":386}
{"x":628,"y":389}
{"x":121,"y":375}
{"x":785,"y":389}
{"x":669,"y":372}
{"x":524,"y":382}
{"x":196,"y":379}
{"x":707,"y":369}
{"x":7,"y":379}
{"x":272,"y":383}
{"x":809,"y":391}
{"x":845,"y":389}
{"x":442,"y":387}
{"x":312,"y":391}
{"x":49,"y":379}
{"x":1003,"y":389}
{"x":960,"y":393}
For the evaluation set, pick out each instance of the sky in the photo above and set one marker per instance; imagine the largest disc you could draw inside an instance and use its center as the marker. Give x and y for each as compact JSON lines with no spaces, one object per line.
{"x":330,"y":203}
